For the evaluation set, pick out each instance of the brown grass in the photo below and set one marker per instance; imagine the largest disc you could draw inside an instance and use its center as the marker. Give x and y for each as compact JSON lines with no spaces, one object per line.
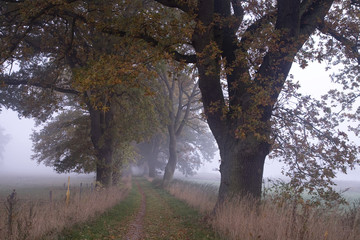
{"x":35,"y":220}
{"x":201,"y":197}
{"x":244,"y":219}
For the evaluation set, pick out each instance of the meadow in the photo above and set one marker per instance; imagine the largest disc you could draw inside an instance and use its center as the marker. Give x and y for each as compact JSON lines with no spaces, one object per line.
{"x":37,"y":187}
{"x":272,"y":217}
{"x":33,"y":214}
{"x":350,"y":189}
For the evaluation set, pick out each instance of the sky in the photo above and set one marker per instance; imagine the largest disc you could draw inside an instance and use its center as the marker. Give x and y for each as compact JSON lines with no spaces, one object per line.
{"x":17,"y":155}
{"x":16,"y":159}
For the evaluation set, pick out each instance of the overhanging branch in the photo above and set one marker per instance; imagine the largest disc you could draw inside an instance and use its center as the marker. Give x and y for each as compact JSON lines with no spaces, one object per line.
{"x":183,"y":58}
{"x":179,"y":4}
{"x":16,"y":82}
{"x":155,"y":43}
{"x":353,"y":47}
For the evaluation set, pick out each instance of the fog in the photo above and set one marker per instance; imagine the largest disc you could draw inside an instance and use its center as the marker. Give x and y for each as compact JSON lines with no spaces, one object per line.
{"x":16,"y":157}
{"x":17,"y":152}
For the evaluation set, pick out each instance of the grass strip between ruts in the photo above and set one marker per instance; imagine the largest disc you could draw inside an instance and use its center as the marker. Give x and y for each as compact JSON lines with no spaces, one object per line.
{"x":169,"y":218}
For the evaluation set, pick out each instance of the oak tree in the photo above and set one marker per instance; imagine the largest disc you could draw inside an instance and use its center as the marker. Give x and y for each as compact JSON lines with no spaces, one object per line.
{"x":64,"y":143}
{"x":243,"y":51}
{"x":58,"y":49}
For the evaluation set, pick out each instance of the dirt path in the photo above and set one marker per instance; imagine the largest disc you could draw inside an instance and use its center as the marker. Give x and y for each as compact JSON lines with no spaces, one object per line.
{"x":163,"y":217}
{"x":135,"y":231}
{"x":148,"y":213}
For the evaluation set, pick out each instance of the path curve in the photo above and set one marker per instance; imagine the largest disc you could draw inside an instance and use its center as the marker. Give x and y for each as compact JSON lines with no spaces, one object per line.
{"x":136,"y":227}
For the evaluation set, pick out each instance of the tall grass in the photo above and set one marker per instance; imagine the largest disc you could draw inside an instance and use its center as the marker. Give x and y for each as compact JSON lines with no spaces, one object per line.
{"x":44,"y":220}
{"x":248,"y":219}
{"x":200,"y":196}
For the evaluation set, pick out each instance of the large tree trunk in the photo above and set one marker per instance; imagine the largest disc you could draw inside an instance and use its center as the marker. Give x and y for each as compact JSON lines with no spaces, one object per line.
{"x":153,"y":156}
{"x":242,"y":163}
{"x":152,"y":160}
{"x":171,"y":165}
{"x":116,"y":170}
{"x":102,"y":139}
{"x":104,"y":166}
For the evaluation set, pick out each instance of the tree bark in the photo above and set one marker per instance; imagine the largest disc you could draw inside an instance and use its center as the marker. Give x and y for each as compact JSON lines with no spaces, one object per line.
{"x":102,"y":139}
{"x":116,"y":177}
{"x":104,"y":167}
{"x":116,"y":170}
{"x":153,"y":157}
{"x":242,"y":163}
{"x":171,"y":165}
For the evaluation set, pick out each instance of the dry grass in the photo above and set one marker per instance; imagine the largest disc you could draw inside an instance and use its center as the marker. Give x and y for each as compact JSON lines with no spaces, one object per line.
{"x":44,"y":220}
{"x":246,"y":219}
{"x":201,"y":197}
{"x":241,"y":219}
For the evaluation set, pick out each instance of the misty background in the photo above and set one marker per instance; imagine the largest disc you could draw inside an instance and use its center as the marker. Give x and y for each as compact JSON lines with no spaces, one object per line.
{"x":16,"y":146}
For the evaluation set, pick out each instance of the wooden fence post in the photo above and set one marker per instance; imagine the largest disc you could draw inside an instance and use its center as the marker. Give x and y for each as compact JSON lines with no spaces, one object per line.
{"x":11,"y":202}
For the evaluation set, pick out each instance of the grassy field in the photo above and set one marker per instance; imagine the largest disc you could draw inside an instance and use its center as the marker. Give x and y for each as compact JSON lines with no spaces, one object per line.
{"x":38,"y":187}
{"x":34,"y":187}
{"x":31,"y":214}
{"x":351,"y":194}
{"x":269,"y":218}
{"x":182,"y":211}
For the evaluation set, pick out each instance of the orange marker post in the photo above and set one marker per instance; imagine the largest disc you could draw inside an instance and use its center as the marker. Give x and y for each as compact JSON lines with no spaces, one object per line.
{"x":68,"y":192}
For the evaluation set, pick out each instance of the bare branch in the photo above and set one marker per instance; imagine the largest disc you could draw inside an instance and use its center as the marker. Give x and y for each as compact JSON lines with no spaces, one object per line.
{"x":180,"y":101}
{"x":353,"y":47}
{"x":183,"y":58}
{"x":187,"y":110}
{"x":16,"y":82}
{"x":179,"y":4}
{"x":155,"y":43}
